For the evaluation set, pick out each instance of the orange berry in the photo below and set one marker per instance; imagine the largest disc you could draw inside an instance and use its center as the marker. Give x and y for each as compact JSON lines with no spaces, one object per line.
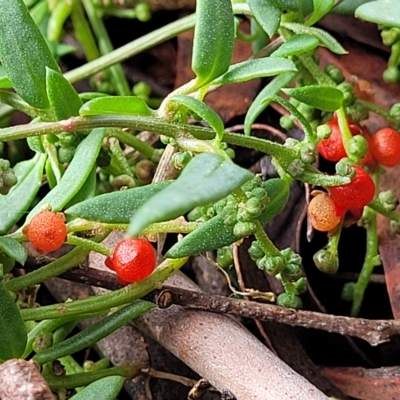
{"x":47,"y":231}
{"x":386,"y":147}
{"x":322,"y":213}
{"x":132,"y":259}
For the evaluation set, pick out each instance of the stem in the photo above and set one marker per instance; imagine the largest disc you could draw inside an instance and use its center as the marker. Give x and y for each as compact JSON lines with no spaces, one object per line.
{"x":369,"y":262}
{"x":57,"y":267}
{"x":104,"y":302}
{"x":265,"y":242}
{"x":345,"y":131}
{"x":119,"y":157}
{"x":377,"y":109}
{"x":378,"y":207}
{"x":88,"y":245}
{"x":129,"y":139}
{"x":313,"y":68}
{"x":85,"y":378}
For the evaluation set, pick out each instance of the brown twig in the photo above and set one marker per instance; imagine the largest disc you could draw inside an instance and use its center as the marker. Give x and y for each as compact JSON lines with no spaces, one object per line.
{"x":372,"y":331}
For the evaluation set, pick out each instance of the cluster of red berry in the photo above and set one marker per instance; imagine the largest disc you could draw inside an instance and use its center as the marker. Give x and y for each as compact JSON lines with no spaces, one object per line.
{"x":132,"y":259}
{"x":326,"y":209}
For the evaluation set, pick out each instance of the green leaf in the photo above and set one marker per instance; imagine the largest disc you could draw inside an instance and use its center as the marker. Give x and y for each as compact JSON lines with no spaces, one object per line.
{"x":116,"y":207}
{"x":324,"y":37}
{"x":105,"y":389}
{"x":87,"y":191}
{"x":24,"y":53}
{"x":267,"y":14}
{"x":64,"y":100}
{"x":321,"y":97}
{"x":382,"y":12}
{"x":297,"y":44}
{"x":321,"y":8}
{"x":259,"y":103}
{"x":207,"y":178}
{"x":14,"y":205}
{"x":215,"y":234}
{"x":257,"y":68}
{"x":126,"y":105}
{"x":286,"y":5}
{"x":75,"y":175}
{"x":214,"y":34}
{"x":12,"y":328}
{"x":203,"y":111}
{"x":349,"y":7}
{"x":13,"y":249}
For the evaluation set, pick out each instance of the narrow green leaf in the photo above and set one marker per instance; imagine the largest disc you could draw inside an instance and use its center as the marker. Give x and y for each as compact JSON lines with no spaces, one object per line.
{"x":324,"y":37}
{"x":75,"y":175}
{"x":287,"y":5}
{"x":104,"y":389}
{"x":116,"y":207}
{"x":297,"y":44}
{"x":348,"y":7}
{"x":64,"y":100}
{"x":127,"y":105}
{"x":214,"y":34}
{"x":14,"y":205}
{"x":207,"y":178}
{"x":13,"y":249}
{"x":12,"y":328}
{"x":267,"y":14}
{"x":87,"y":191}
{"x":259,"y":103}
{"x":24,"y":53}
{"x":321,"y":97}
{"x":215,"y":234}
{"x":257,"y":68}
{"x":382,"y":12}
{"x":203,"y":111}
{"x":321,"y":8}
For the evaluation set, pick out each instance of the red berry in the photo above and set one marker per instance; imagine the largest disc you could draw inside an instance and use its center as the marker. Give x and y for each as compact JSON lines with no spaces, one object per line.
{"x":356,"y":194}
{"x":47,"y":231}
{"x":322,"y":213}
{"x":332,"y":148}
{"x":386,"y":147}
{"x":132,"y":259}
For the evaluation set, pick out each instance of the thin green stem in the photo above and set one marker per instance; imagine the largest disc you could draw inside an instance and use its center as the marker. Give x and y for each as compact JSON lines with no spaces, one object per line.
{"x":345,"y":131}
{"x":119,"y":156}
{"x":377,"y":109}
{"x":377,"y":206}
{"x":107,"y":301}
{"x":85,"y":378}
{"x":265,"y":242}
{"x":89,"y":245}
{"x":131,"y":140}
{"x":313,"y":68}
{"x":117,"y":74}
{"x":370,"y":262}
{"x":55,"y":268}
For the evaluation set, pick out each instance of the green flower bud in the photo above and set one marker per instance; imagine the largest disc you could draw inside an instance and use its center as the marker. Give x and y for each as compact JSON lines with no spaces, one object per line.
{"x":208,"y":212}
{"x":144,"y":171}
{"x":348,"y":291}
{"x":260,"y":194}
{"x":143,"y":13}
{"x":242,"y":229}
{"x":123,"y":181}
{"x":196,"y":214}
{"x":141,"y":89}
{"x":289,"y":301}
{"x":334,"y":73}
{"x":66,"y":154}
{"x":291,"y":273}
{"x":220,"y":205}
{"x":272,"y":265}
{"x":348,"y":93}
{"x":308,"y":154}
{"x":291,"y":143}
{"x":357,"y":112}
{"x":395,"y":110}
{"x":389,"y":36}
{"x":230,"y":153}
{"x":68,"y":139}
{"x":343,"y":168}
{"x":291,"y":257}
{"x":301,"y":285}
{"x":252,"y":184}
{"x":156,"y":157}
{"x":53,"y":139}
{"x":7,"y":177}
{"x":42,"y":342}
{"x":391,"y":75}
{"x":225,"y":257}
{"x":181,"y":159}
{"x":326,"y":261}
{"x":388,"y":200}
{"x":323,"y":132}
{"x":286,"y":122}
{"x":256,"y":251}
{"x":358,"y":146}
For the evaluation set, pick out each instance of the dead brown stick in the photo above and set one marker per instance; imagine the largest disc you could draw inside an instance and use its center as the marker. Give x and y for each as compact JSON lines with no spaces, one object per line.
{"x":372,"y":331}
